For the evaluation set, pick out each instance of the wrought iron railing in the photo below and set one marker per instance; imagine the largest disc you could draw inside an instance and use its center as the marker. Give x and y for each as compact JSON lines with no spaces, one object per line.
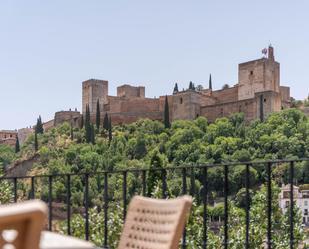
{"x":183,"y":172}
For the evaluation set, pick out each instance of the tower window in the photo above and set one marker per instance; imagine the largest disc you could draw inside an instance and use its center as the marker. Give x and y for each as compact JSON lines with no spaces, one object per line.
{"x":181,"y":100}
{"x":251,"y":72}
{"x":264,"y":100}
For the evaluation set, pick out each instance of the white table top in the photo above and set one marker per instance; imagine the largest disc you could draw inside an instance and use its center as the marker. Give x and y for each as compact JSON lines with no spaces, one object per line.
{"x":51,"y":240}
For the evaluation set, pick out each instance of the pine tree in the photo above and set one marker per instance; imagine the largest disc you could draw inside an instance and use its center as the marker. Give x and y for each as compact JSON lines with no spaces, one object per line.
{"x":36,"y":144}
{"x":110,"y":130}
{"x":105,"y":122}
{"x":175,"y":88}
{"x":210,"y":82}
{"x":167,"y":123}
{"x":17,"y":146}
{"x":98,"y":115}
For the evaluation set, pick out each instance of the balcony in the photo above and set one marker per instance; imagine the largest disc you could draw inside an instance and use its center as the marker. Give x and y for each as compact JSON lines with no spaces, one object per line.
{"x":100,"y":217}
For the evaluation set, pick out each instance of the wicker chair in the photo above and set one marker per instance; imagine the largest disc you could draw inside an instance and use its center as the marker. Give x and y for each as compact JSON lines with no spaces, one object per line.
{"x":155,"y":224}
{"x":25,"y":221}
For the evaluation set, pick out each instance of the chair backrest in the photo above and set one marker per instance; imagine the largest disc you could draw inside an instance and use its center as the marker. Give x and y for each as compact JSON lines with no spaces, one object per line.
{"x":155,"y":224}
{"x":21,"y":224}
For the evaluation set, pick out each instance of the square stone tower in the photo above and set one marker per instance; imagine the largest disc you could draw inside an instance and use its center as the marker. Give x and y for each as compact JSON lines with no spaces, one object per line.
{"x":94,"y":90}
{"x":258,"y":76}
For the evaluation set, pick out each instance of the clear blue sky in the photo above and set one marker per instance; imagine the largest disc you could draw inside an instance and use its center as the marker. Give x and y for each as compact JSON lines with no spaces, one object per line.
{"x":47,"y":48}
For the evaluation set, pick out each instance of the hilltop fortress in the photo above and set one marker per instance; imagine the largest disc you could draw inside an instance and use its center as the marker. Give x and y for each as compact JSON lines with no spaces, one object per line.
{"x":257,"y":94}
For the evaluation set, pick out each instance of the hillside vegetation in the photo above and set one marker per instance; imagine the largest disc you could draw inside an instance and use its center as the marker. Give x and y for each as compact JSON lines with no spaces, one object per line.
{"x":148,"y":144}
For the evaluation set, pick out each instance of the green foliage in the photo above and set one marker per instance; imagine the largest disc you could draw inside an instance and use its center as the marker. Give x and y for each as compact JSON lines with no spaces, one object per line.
{"x":148,"y":144}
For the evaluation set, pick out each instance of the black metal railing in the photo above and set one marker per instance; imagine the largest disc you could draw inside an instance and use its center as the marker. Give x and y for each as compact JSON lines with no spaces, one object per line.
{"x":186,"y":173}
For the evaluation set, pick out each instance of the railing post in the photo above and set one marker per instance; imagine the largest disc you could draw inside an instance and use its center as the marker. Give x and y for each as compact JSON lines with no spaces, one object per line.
{"x":164,"y":185}
{"x":87,"y":206}
{"x":292,"y":205}
{"x":226,"y":238}
{"x":247,"y":205}
{"x":144,"y":182}
{"x":50,"y":197}
{"x":269,"y":207}
{"x":124,"y":192}
{"x":15,"y":188}
{"x":192,"y":182}
{"x":32,"y":188}
{"x":105,"y":246}
{"x":68,"y":200}
{"x":204,"y":198}
{"x":184,"y":192}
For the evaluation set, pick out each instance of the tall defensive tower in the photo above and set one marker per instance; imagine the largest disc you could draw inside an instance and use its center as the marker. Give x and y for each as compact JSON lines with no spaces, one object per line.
{"x":258,"y":76}
{"x":94,"y":90}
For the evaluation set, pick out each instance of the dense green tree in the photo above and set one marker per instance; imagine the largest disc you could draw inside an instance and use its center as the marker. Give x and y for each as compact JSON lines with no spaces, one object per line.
{"x":17,"y":146}
{"x":98,"y":115}
{"x":199,"y":88}
{"x":167,"y":123}
{"x":225,"y":86}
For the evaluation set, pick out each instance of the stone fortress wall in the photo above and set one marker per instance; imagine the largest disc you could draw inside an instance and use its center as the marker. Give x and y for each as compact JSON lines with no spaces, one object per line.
{"x":257,"y":94}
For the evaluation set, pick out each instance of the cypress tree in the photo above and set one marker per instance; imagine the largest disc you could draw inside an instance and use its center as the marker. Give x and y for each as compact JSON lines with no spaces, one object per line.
{"x":105,"y":122}
{"x":82,"y":122}
{"x":167,"y":123}
{"x":210,"y":82}
{"x":98,"y":115}
{"x":190,"y":85}
{"x":36,"y":144}
{"x":110,"y":129}
{"x":71,"y":133}
{"x":175,"y":88}
{"x":87,"y":125}
{"x":17,"y":146}
{"x":92,"y":134}
{"x":87,"y":116}
{"x":39,"y":126}
{"x":154,"y":175}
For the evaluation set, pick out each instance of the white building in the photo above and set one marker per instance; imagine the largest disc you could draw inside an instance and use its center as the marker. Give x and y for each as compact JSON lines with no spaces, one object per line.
{"x":301,"y":198}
